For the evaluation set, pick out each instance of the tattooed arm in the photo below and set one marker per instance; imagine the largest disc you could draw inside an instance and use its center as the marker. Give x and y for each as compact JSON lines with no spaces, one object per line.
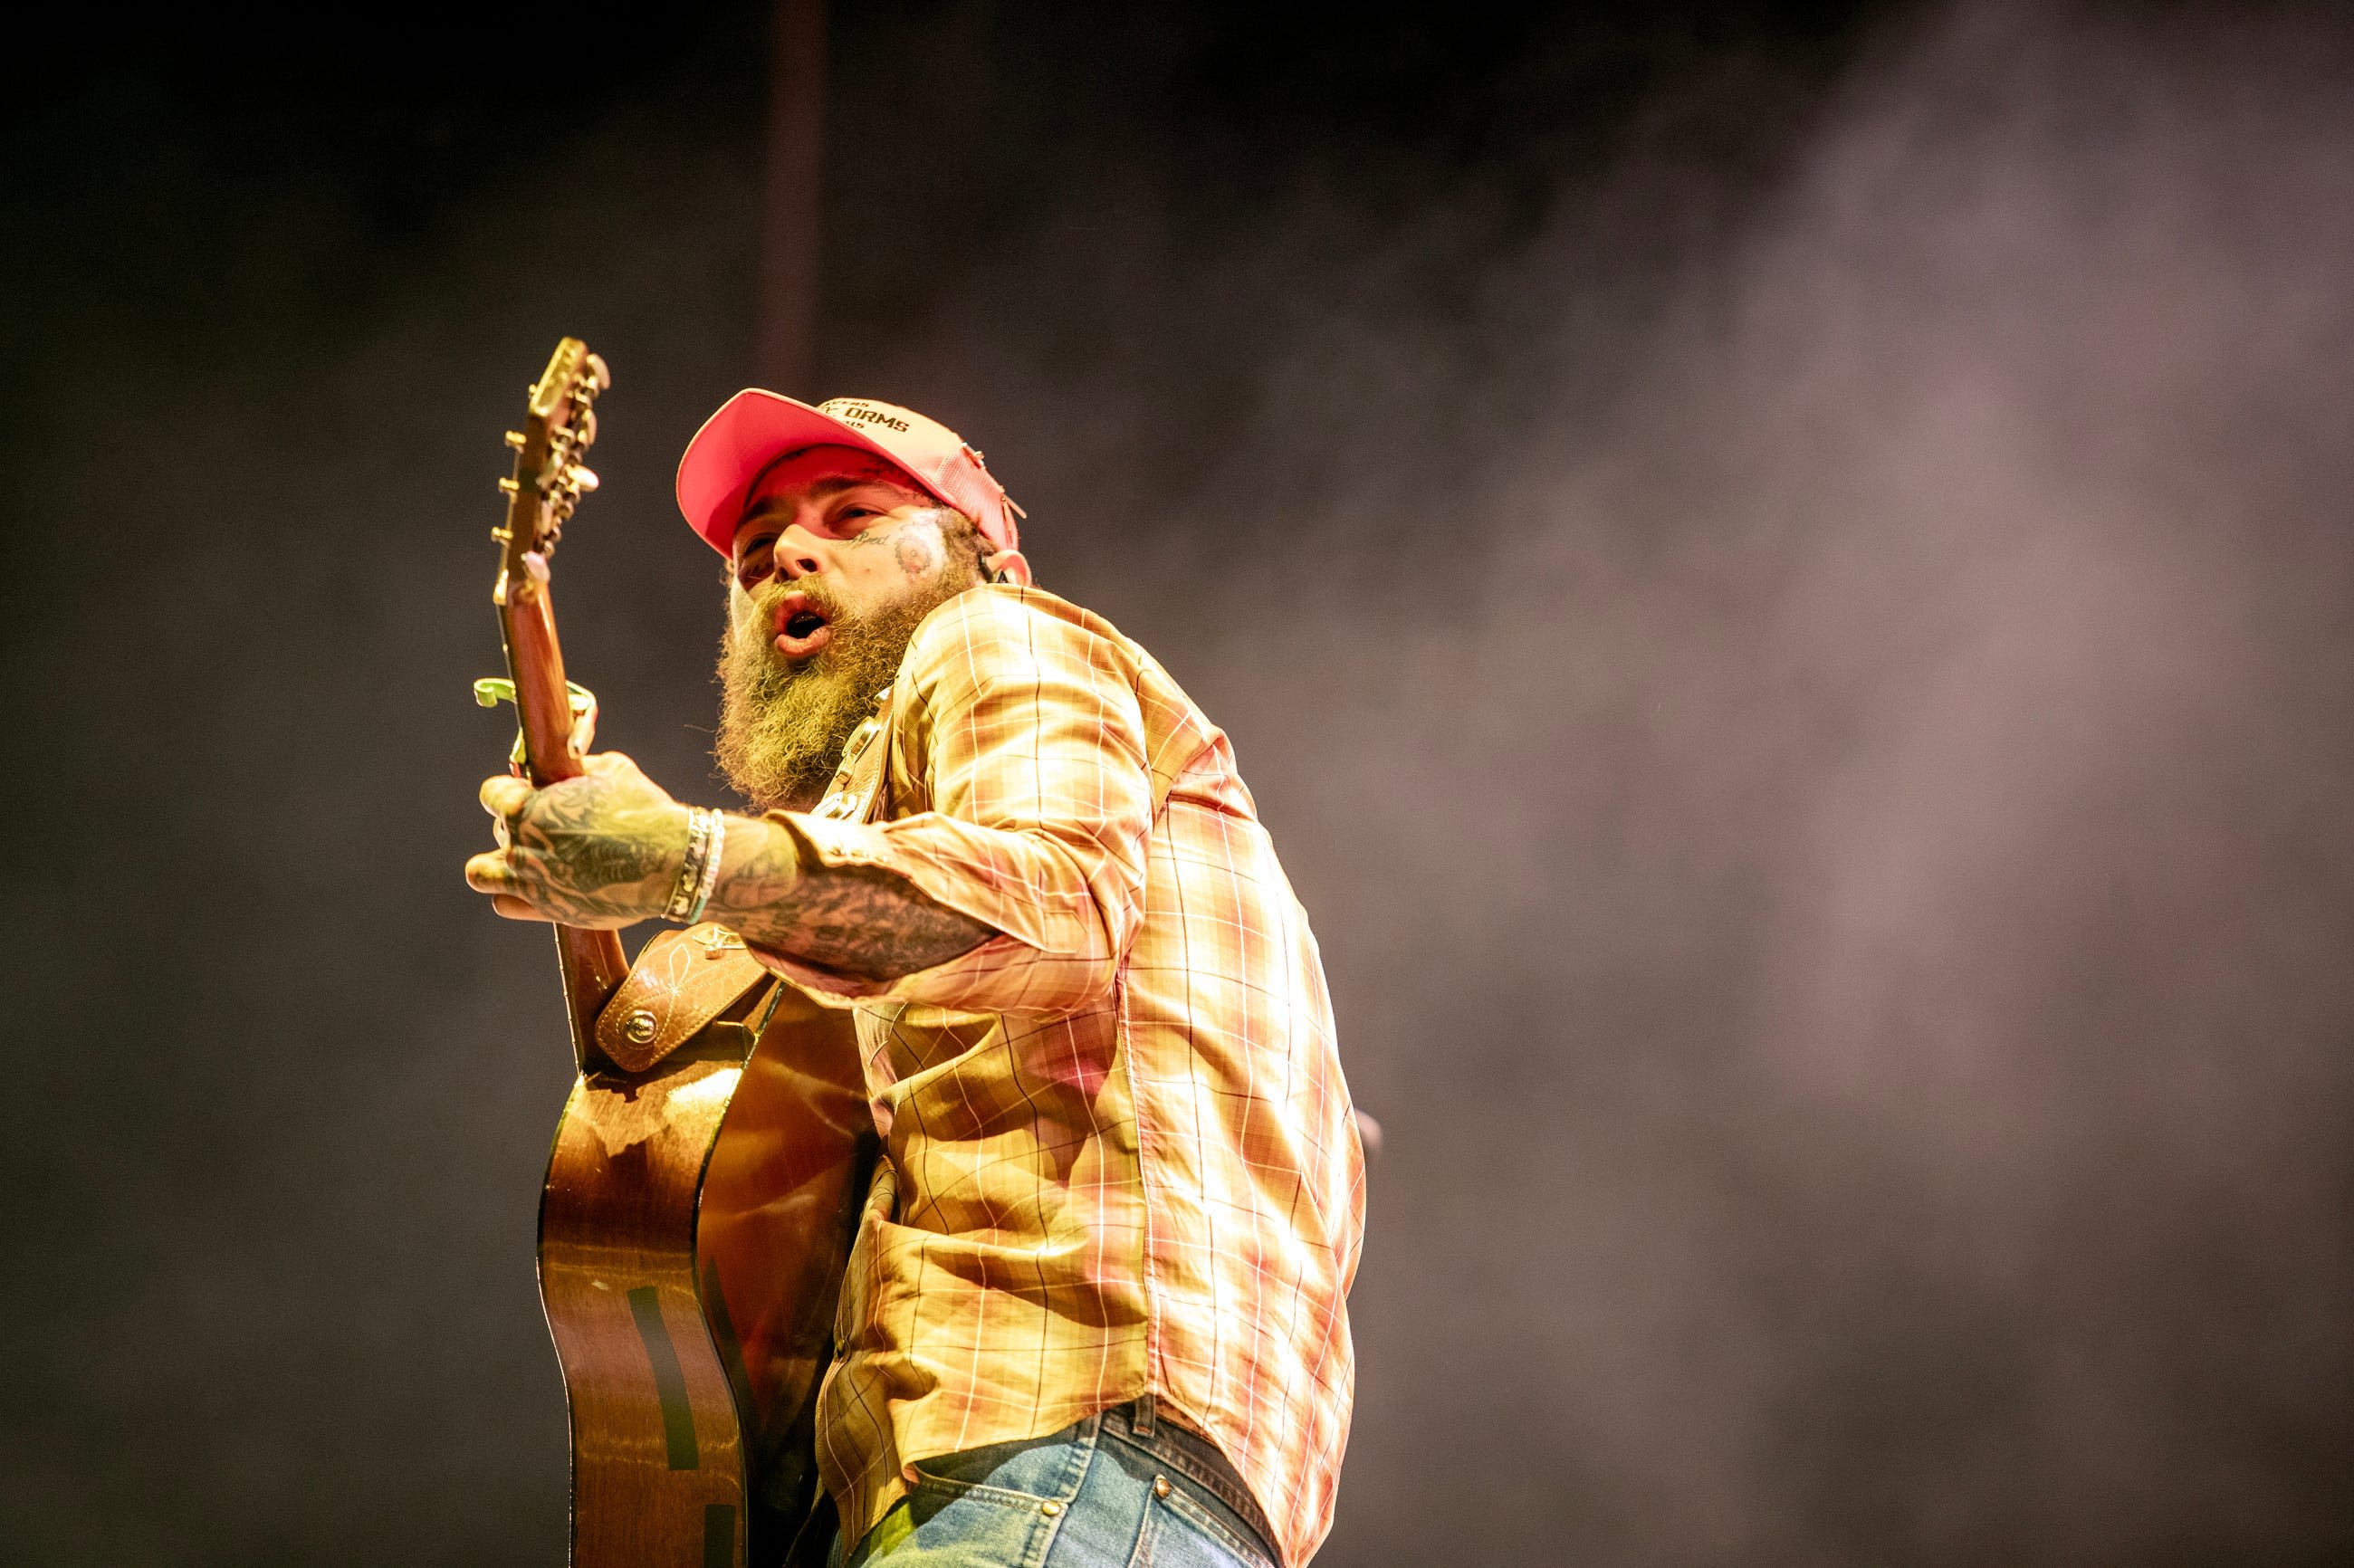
{"x":604,"y":850}
{"x":858,"y":920}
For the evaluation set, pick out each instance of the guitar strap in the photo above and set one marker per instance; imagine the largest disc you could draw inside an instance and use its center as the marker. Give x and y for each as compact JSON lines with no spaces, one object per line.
{"x":861,"y":786}
{"x":678,"y":988}
{"x":684,"y":981}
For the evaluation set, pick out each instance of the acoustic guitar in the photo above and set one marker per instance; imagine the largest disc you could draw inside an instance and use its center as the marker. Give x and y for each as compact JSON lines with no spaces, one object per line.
{"x":706,"y":1174}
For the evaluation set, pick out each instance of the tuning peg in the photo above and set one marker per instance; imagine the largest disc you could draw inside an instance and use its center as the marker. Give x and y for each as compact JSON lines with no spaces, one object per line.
{"x":514,"y":439}
{"x":506,"y":487}
{"x":599,"y":373}
{"x":586,"y":425}
{"x":582,"y":477}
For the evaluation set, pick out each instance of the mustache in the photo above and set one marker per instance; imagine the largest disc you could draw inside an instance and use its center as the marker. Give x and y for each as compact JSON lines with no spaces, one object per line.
{"x":749,"y":653}
{"x":771,"y":591}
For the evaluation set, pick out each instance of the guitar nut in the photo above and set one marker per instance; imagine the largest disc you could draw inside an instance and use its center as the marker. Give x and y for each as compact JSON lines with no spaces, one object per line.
{"x":640,"y":1027}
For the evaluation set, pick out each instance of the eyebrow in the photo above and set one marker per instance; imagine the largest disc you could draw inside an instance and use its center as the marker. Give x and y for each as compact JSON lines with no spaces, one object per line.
{"x":830,"y":487}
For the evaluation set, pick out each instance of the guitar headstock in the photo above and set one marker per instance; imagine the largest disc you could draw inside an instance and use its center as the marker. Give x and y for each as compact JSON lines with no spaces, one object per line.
{"x":549,"y":479}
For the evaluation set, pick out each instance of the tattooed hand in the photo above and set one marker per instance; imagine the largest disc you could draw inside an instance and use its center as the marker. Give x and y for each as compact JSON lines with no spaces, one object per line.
{"x":602,"y":850}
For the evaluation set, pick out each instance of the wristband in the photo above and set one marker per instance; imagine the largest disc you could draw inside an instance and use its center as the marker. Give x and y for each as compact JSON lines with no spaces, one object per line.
{"x":708,"y":883}
{"x":687,"y":898}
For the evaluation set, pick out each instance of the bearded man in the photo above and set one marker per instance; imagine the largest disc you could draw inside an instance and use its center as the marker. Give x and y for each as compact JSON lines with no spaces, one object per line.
{"x":1096,"y":1303}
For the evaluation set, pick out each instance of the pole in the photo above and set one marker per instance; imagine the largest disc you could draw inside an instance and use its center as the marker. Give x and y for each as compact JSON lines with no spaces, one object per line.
{"x":785,"y":345}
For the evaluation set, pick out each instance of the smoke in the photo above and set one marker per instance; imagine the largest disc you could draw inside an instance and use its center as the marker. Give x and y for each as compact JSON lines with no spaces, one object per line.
{"x":1800,"y":697}
{"x":1792,"y":635}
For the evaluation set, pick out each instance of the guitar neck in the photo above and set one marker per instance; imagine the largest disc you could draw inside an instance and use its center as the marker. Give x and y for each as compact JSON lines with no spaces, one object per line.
{"x":559,"y":426}
{"x":592,"y":962}
{"x":535,"y":665}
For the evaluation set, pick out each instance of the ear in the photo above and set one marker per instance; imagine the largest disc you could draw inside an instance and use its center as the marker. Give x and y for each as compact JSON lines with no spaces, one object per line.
{"x":1009,"y":567}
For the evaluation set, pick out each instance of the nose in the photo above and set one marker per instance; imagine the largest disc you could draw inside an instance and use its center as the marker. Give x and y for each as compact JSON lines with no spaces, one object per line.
{"x":797,"y":554}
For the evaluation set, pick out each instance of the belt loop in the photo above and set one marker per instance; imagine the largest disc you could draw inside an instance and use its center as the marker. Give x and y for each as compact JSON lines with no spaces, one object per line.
{"x":1139,"y":1417}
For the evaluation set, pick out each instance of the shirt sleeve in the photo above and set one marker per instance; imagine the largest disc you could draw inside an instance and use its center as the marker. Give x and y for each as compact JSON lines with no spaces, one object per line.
{"x":1023,"y":735}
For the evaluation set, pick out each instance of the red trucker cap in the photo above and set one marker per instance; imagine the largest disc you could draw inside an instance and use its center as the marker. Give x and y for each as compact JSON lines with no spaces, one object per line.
{"x":754,"y":428}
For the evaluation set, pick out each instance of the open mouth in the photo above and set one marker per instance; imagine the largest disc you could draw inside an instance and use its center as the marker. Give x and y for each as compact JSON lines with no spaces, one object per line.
{"x":802,"y":627}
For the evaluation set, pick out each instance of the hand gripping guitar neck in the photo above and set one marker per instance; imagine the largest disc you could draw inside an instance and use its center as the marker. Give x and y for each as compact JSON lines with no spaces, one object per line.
{"x":557,"y":718}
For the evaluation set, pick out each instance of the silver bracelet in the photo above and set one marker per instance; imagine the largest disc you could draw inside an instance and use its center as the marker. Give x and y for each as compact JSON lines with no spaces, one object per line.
{"x":708,"y":882}
{"x":684,"y":902}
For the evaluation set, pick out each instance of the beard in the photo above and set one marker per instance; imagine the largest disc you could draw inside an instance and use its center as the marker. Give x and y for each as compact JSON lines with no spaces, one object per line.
{"x":783,"y":722}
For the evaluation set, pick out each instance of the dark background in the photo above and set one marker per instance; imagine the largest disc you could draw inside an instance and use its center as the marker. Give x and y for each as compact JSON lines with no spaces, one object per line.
{"x":1781,"y":575}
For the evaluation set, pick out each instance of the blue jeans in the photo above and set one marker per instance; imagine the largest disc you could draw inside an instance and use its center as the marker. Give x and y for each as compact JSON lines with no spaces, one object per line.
{"x":1118,"y":1490}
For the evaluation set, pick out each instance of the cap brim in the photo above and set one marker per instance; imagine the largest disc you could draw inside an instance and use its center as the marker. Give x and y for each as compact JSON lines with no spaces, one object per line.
{"x":751,"y":430}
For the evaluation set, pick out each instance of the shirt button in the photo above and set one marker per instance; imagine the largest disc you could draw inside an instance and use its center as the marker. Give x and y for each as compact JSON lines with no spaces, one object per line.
{"x":1161,"y":1486}
{"x":1050,"y":1508}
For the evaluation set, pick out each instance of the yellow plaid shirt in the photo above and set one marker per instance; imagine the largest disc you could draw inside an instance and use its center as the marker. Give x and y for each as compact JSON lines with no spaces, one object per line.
{"x":1120,"y":1156}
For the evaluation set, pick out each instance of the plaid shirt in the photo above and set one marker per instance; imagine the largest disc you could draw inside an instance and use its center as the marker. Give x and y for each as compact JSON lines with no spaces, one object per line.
{"x":1121,"y":1154}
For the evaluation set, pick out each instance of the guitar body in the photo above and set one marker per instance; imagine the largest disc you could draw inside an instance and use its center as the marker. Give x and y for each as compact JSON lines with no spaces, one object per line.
{"x":694,"y":1228}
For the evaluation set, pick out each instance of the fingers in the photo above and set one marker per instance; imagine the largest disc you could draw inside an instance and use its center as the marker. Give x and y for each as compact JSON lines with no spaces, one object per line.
{"x":505,"y":796}
{"x":608,"y":762}
{"x":490,"y":872}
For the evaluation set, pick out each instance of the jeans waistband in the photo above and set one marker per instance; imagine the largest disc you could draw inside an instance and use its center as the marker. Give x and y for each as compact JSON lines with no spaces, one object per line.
{"x":1143,"y":1424}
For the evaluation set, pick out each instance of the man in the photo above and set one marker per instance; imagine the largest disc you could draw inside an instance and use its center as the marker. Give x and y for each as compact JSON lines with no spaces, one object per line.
{"x":1097,"y":1300}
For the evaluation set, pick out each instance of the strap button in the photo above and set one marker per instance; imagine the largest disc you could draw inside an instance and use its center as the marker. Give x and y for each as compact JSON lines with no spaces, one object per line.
{"x":640,"y":1027}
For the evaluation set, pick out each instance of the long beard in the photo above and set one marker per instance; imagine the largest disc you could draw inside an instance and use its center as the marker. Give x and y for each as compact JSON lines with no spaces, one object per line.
{"x":783,"y":722}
